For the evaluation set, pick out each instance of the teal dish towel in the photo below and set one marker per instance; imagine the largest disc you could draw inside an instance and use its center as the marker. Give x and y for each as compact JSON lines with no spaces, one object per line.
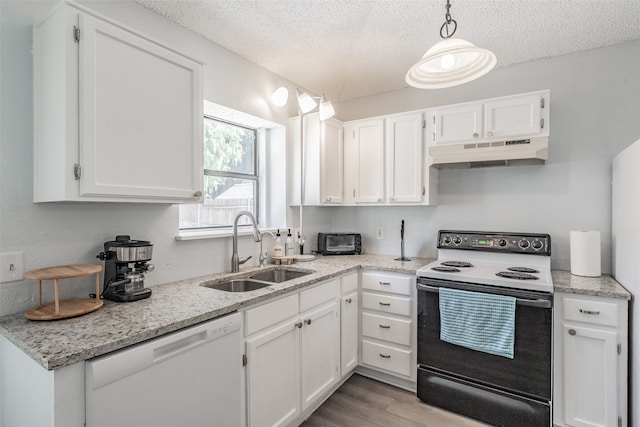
{"x":478,"y":321}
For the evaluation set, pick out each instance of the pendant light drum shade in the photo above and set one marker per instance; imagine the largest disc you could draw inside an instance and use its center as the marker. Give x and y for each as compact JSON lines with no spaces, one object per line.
{"x":450,"y":62}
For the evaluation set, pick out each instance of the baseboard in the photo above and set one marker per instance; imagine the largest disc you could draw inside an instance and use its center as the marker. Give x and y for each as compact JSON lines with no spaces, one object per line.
{"x":386,"y":378}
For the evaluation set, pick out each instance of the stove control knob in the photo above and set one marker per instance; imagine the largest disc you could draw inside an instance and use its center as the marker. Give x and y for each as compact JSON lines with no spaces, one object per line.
{"x":446,"y":240}
{"x":502,"y":242}
{"x":536,"y":244}
{"x":457,"y":240}
{"x":523,"y":244}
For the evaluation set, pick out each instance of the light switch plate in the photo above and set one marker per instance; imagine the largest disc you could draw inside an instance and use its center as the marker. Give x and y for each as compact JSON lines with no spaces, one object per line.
{"x":11,"y":267}
{"x":380,"y":233}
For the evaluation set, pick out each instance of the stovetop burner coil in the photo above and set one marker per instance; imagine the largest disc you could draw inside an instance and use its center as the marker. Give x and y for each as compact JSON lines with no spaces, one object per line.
{"x":445,"y":269}
{"x":516,"y":275}
{"x":459,"y":264}
{"x":523,"y":270}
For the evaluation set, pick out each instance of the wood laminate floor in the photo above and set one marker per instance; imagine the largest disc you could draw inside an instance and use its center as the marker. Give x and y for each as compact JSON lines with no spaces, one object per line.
{"x":363,"y":402}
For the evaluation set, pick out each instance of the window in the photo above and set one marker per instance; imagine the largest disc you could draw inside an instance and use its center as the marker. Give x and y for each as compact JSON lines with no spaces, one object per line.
{"x":230,"y":177}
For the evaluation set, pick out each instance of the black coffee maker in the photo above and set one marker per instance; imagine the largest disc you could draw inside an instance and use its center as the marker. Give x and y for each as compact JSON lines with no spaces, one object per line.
{"x":125,"y":264}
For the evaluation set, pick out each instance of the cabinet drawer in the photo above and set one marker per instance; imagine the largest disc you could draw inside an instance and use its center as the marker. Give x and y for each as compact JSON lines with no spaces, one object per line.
{"x":596,"y":312}
{"x":349,"y":283}
{"x":387,"y":283}
{"x":388,"y":358}
{"x":269,"y":314}
{"x":319,"y":294}
{"x":385,"y":328}
{"x":386,"y":303}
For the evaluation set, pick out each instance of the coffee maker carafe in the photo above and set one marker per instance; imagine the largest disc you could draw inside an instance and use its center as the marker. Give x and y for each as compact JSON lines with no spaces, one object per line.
{"x":125,"y":264}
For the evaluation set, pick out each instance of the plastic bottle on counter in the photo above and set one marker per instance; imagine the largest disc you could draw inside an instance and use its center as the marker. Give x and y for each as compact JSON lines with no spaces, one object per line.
{"x":288,"y":245}
{"x":278,"y":248}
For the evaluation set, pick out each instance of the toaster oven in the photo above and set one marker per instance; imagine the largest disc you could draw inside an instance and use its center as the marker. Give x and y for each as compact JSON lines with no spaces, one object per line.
{"x":339,"y":243}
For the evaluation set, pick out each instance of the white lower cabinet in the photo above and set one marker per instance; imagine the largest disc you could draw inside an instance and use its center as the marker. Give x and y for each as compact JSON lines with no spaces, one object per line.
{"x":349,"y":316}
{"x":590,"y":359}
{"x":389,"y":325}
{"x":292,"y":361}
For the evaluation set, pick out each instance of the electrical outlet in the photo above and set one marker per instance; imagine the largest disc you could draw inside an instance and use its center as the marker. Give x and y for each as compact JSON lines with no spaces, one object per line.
{"x":380,"y":233}
{"x":11,"y":267}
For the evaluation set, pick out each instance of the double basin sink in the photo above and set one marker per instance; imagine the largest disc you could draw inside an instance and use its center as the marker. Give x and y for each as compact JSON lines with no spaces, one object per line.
{"x":258,"y":280}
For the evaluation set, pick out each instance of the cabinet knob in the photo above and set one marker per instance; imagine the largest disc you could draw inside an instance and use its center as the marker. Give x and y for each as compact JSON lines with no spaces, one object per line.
{"x":475,"y":135}
{"x":299,"y":325}
{"x":489,"y":133}
{"x":348,"y":300}
{"x":572,"y":331}
{"x":328,"y":199}
{"x":197,"y":194}
{"x":307,"y":321}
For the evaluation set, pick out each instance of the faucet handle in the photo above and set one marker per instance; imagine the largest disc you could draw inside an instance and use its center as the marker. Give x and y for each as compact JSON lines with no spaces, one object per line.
{"x":243,"y":260}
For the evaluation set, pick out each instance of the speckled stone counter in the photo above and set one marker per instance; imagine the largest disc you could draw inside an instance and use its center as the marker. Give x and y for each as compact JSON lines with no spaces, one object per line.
{"x":172,"y":306}
{"x":177,"y":305}
{"x":603,"y":286}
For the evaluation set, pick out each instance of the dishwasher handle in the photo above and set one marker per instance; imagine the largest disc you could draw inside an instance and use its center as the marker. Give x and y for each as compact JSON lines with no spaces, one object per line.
{"x":109,"y":368}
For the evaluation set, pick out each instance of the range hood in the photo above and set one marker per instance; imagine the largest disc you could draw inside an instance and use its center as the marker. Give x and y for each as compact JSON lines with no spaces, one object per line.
{"x":532,"y":151}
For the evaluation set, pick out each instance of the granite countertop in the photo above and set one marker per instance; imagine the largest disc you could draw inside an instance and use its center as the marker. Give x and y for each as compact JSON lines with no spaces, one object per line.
{"x":603,"y":286}
{"x":177,"y":305}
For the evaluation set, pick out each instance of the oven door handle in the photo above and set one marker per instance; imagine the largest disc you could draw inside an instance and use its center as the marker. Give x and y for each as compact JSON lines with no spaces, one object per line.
{"x":538,"y":303}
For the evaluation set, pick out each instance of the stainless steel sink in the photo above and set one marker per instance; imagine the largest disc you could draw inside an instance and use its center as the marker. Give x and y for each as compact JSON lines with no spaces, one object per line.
{"x":278,"y":275}
{"x":238,"y":285}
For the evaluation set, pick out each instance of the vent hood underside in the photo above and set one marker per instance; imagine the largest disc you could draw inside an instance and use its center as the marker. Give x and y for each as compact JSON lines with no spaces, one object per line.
{"x":532,"y":151}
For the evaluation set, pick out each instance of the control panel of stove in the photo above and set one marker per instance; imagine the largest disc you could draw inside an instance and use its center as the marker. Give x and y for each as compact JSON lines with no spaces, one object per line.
{"x":539,"y":244}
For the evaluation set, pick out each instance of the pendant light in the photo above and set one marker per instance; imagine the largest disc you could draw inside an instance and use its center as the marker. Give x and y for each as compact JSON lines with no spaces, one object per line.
{"x":450,"y":62}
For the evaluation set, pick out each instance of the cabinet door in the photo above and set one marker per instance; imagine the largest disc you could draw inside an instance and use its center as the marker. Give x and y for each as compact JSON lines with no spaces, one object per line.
{"x":460,"y":123}
{"x":273,"y":376}
{"x":590,"y":363}
{"x":513,"y":117}
{"x":331,"y":169}
{"x":320,"y":352}
{"x":141,"y":121}
{"x":404,"y":158}
{"x":364,"y":157}
{"x":348,"y":333}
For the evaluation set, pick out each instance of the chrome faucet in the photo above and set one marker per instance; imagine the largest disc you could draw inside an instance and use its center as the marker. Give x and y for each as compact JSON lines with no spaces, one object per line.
{"x":235,"y":261}
{"x":264,"y":255}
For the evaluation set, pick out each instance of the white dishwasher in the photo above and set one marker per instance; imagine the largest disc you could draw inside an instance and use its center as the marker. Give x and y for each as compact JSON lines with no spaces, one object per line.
{"x":188,"y":378}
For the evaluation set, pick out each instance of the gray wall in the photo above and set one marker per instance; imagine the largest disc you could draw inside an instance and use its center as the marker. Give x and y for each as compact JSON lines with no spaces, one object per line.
{"x":595,"y":113}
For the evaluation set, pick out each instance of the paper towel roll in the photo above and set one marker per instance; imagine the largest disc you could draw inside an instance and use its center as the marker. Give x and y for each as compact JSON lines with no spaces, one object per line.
{"x":585,"y":253}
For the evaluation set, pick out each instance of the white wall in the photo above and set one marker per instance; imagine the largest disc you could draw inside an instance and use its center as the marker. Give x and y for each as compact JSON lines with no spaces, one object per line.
{"x":595,"y":105}
{"x":71,"y":233}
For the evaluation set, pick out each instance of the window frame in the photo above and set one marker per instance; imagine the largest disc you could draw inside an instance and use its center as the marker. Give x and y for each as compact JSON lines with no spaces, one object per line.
{"x":234,"y":175}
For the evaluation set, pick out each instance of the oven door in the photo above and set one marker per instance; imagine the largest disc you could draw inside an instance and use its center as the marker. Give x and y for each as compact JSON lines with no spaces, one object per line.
{"x":495,"y":389}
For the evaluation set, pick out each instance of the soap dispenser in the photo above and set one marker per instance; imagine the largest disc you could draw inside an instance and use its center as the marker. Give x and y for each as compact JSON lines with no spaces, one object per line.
{"x":278,"y":249}
{"x":288,"y":245}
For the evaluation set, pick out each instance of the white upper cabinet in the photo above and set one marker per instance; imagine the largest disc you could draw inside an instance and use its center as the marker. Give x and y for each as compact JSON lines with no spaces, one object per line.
{"x":364,"y":156}
{"x":405,"y":159}
{"x":457,"y":124}
{"x":118,"y":116}
{"x":323,"y":161}
{"x":497,"y":119}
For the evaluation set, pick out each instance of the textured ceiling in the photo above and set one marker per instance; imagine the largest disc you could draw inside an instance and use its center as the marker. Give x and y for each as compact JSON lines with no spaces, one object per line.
{"x":353,"y":48}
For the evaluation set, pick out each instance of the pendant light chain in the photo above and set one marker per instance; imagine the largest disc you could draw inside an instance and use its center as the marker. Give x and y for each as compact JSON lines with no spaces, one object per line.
{"x":448,"y":21}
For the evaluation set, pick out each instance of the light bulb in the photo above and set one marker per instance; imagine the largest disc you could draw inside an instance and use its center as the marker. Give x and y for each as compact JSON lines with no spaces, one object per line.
{"x":447,"y":61}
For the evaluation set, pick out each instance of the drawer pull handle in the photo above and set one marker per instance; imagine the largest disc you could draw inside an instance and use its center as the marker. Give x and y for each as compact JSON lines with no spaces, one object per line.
{"x":307,"y":321}
{"x":572,"y":331}
{"x":385,"y":326}
{"x":589,"y":312}
{"x":385,"y":283}
{"x":386,"y":304}
{"x":348,"y":300}
{"x":385,"y":356}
